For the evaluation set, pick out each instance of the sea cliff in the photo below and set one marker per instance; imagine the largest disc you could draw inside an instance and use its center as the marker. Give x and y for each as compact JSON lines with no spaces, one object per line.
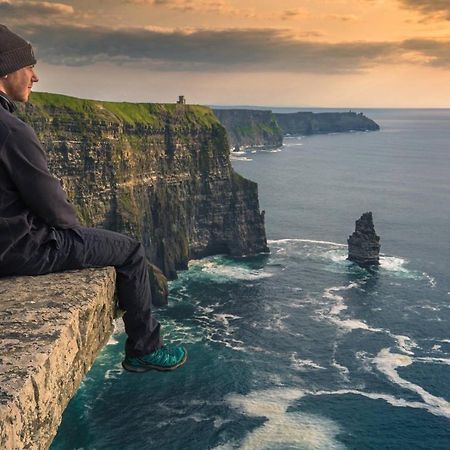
{"x":256,"y":128}
{"x":250,"y":128}
{"x":159,"y":172}
{"x":306,"y":123}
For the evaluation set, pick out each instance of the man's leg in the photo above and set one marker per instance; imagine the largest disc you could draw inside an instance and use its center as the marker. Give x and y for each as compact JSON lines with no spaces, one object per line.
{"x":92,"y":247}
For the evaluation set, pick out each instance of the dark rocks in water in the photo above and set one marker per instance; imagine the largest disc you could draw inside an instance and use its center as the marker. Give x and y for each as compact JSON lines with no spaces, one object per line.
{"x":159,"y":286}
{"x":364,"y":244}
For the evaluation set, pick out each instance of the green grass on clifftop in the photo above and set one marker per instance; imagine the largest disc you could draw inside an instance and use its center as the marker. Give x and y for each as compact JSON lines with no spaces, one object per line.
{"x":153,"y":114}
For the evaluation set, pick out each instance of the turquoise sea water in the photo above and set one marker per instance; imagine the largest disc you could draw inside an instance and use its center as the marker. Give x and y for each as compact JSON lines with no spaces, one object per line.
{"x":300,"y":349}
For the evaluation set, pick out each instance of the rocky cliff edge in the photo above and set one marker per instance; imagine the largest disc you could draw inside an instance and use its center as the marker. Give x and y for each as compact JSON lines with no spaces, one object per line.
{"x":52,"y":328}
{"x":158,"y":172}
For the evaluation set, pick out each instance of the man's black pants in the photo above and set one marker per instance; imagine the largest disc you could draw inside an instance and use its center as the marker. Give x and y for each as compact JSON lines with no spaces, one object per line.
{"x":92,"y":247}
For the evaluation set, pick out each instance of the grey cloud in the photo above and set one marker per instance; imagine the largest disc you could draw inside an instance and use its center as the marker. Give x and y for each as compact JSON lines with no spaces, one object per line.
{"x":433,"y":7}
{"x":19,"y":10}
{"x":204,"y":50}
{"x":292,"y":13}
{"x":436,"y":51}
{"x":219,"y":6}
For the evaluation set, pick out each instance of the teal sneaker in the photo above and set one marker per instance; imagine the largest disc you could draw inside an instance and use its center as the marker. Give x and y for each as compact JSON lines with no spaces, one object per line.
{"x":164,"y":359}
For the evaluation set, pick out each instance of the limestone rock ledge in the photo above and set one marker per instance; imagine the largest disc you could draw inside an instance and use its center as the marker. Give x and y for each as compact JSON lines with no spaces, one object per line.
{"x":52,"y":328}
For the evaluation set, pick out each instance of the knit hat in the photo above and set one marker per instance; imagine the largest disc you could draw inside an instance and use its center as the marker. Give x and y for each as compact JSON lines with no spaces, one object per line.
{"x":15,"y":52}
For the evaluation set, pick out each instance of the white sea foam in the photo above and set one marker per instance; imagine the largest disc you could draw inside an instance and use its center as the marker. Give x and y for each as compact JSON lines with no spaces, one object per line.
{"x":330,"y":294}
{"x":392,"y":400}
{"x":427,"y":359}
{"x":112,"y":340}
{"x":224,"y":271}
{"x":339,"y":306}
{"x":225,"y":318}
{"x":303,"y":364}
{"x":404,"y":343}
{"x":113,"y":374}
{"x":365,"y":359}
{"x":118,"y":328}
{"x":276,"y":150}
{"x":180,"y":332}
{"x":338,"y":256}
{"x":387,"y":363}
{"x":354,"y":324}
{"x":311,"y":241}
{"x":276,"y":322}
{"x":393,"y":263}
{"x":282,"y":428}
{"x":430,"y":307}
{"x":240,"y":158}
{"x":217,"y":328}
{"x":398,"y":266}
{"x":431,"y":280}
{"x":342,"y":369}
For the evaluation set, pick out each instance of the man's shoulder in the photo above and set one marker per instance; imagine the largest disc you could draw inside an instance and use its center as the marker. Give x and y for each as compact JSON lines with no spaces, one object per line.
{"x":12,"y":126}
{"x":11,"y":121}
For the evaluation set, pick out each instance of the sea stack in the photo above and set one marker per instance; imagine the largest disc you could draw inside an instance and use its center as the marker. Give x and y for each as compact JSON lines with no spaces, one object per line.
{"x":364,"y":244}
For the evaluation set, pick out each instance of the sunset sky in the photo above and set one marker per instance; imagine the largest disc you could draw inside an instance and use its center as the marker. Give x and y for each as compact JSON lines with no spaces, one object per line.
{"x":330,"y":53}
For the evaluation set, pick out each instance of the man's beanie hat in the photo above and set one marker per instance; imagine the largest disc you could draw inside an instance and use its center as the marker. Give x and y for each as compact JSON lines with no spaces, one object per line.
{"x":15,"y":52}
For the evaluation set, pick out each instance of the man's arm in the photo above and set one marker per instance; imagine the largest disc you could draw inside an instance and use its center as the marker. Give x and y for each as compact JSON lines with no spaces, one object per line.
{"x":42,"y":193}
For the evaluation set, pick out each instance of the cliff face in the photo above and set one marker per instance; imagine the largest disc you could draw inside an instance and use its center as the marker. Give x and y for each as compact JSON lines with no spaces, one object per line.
{"x":254,"y":128}
{"x":306,"y":123}
{"x":158,"y":172}
{"x":250,"y":128}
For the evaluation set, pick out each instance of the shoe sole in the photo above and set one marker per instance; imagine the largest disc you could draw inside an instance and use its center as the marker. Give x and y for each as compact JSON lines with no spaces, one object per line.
{"x":151,"y":367}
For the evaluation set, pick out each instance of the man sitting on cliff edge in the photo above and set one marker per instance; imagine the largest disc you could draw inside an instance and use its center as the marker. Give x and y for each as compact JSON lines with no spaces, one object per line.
{"x":39,"y":231}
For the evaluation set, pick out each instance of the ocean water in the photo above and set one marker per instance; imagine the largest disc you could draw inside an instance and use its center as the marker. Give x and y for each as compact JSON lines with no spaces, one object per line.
{"x":299,"y":348}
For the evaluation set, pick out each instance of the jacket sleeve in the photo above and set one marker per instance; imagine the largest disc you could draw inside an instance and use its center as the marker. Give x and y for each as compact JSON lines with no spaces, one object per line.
{"x":42,"y":193}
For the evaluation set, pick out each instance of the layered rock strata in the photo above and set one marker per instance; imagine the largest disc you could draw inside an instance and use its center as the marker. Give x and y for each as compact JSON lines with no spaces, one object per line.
{"x":256,"y":128}
{"x":160,"y":173}
{"x":250,"y":128}
{"x":364,"y":244}
{"x":307,"y":123}
{"x":52,"y":328}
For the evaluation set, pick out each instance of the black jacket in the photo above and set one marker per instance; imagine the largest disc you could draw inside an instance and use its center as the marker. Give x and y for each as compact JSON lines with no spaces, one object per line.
{"x":32,"y":201}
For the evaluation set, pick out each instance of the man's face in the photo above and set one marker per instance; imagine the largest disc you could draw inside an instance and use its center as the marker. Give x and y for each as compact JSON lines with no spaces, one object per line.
{"x":17,"y":85}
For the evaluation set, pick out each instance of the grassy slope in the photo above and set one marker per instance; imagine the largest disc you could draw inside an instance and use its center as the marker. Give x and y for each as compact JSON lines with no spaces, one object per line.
{"x":152,"y":114}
